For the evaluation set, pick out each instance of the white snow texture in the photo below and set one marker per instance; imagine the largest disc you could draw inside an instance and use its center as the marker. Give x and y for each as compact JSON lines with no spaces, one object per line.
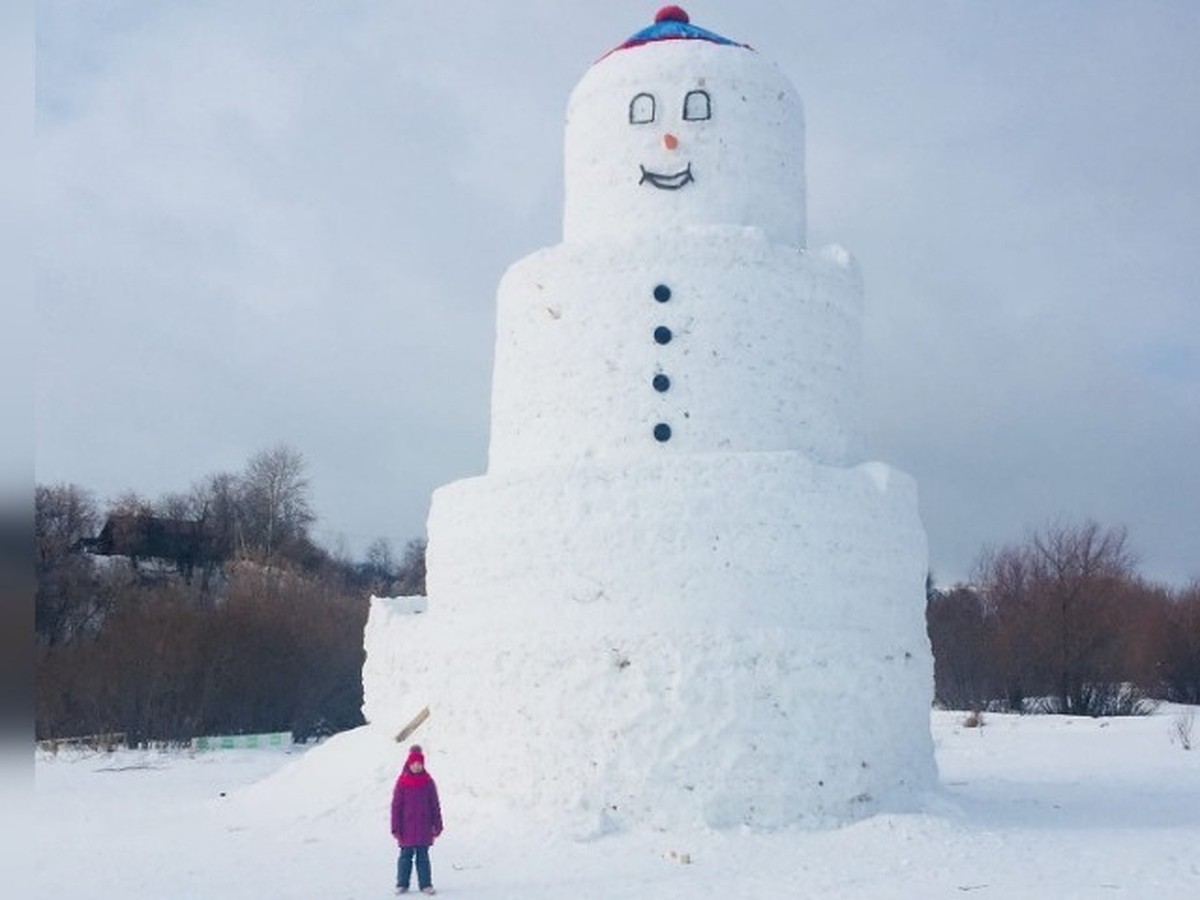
{"x":717,"y":625}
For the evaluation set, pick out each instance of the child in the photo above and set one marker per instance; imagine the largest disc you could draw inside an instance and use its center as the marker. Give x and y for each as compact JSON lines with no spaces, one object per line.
{"x":416,"y":821}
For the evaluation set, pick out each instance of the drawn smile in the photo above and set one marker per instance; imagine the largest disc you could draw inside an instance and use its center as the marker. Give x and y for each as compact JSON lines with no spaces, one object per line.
{"x":667,"y":182}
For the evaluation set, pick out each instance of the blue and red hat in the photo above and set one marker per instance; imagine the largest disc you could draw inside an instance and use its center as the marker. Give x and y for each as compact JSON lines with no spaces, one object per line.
{"x":671,"y":23}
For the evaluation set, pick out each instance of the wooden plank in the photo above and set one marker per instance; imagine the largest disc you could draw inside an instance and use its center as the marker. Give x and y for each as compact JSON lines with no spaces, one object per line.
{"x":412,"y":726}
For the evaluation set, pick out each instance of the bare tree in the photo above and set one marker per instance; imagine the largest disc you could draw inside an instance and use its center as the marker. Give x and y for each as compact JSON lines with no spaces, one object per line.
{"x":410,"y":580}
{"x":1180,"y":662}
{"x":960,"y":633}
{"x":1016,"y":642}
{"x":67,"y":599}
{"x":216,"y":500}
{"x":379,"y":568}
{"x":1082,"y":571}
{"x":1058,"y":602}
{"x":64,"y":514}
{"x":130,"y":503}
{"x":380,"y":559}
{"x":274,"y":500}
{"x":178,"y":506}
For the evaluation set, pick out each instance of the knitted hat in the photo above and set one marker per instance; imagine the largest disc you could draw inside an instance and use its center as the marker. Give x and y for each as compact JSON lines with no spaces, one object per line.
{"x":671,"y":23}
{"x":414,"y":755}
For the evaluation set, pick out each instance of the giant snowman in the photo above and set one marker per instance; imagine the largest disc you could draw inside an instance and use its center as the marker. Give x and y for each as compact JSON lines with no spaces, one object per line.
{"x":680,"y":596}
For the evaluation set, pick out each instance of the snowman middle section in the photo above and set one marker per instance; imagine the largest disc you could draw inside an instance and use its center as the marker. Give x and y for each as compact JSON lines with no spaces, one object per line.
{"x":697,"y":341}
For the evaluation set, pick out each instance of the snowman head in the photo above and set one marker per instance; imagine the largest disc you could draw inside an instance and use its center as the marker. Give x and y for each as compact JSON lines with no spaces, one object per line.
{"x":679,"y":128}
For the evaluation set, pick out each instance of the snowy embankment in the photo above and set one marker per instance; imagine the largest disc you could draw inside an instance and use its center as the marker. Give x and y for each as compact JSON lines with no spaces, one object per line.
{"x":1029,"y":807}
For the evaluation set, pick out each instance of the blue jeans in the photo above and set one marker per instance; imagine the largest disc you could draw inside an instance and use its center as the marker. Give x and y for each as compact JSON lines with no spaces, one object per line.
{"x":404,"y":867}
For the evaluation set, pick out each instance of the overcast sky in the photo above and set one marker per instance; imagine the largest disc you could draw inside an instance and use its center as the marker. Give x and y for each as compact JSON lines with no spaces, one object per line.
{"x":265,"y":222}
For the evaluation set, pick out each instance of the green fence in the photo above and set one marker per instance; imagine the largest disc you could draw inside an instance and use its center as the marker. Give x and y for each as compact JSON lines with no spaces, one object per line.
{"x":276,"y":740}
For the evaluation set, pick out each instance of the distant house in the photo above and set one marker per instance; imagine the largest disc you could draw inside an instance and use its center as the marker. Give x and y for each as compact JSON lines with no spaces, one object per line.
{"x":182,"y":542}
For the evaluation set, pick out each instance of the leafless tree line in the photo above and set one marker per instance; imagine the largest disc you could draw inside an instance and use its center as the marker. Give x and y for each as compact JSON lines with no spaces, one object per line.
{"x":270,"y":638}
{"x":282,"y":651}
{"x":1062,"y":622}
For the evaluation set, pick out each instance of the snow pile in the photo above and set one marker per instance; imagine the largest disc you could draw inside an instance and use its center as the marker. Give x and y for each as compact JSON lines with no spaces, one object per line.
{"x":678,"y":573}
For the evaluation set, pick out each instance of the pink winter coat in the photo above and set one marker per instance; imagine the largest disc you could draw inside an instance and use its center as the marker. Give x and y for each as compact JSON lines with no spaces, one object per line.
{"x":416,"y":813}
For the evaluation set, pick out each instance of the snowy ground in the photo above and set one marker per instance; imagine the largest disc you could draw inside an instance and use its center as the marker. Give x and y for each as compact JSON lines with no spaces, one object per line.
{"x":1029,"y":807}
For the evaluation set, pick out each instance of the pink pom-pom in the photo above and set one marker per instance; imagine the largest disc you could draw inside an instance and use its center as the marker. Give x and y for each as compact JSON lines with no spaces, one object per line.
{"x":671,"y":14}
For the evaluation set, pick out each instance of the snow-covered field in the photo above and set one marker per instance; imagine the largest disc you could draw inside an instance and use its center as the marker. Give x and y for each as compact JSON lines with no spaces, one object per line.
{"x":1029,"y":807}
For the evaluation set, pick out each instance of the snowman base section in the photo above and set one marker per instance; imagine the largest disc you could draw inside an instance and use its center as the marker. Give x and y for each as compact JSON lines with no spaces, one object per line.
{"x":710,"y":641}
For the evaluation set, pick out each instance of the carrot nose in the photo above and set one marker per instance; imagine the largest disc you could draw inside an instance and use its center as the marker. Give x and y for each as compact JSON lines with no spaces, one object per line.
{"x":670,"y":141}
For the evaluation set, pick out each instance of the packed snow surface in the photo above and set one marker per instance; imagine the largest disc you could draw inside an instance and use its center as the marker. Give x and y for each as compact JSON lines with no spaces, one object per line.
{"x":1028,"y":807}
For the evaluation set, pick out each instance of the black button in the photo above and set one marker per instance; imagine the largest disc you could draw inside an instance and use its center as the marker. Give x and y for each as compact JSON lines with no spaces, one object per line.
{"x":661,"y":382}
{"x":662,"y":335}
{"x":662,"y":293}
{"x":662,"y":432}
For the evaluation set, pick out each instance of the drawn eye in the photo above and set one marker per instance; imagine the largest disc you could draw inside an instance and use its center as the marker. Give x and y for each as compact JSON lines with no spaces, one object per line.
{"x":697,"y":105}
{"x":641,"y":109}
